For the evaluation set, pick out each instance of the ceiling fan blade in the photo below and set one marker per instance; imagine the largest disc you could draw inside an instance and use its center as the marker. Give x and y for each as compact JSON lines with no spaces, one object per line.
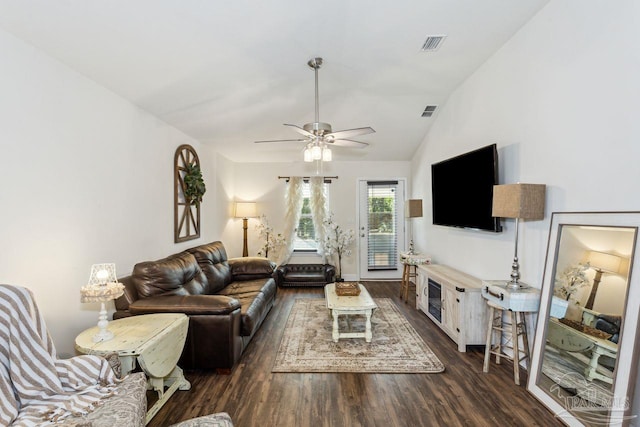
{"x":348,"y":143}
{"x":281,"y":140}
{"x":348,"y":133}
{"x":300,"y":130}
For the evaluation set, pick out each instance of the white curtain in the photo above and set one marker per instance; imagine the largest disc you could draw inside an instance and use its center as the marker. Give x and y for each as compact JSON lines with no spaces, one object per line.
{"x":293,"y":202}
{"x":318,"y":205}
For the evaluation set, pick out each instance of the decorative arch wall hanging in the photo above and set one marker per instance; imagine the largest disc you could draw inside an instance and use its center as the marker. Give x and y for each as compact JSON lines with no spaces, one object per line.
{"x":188,"y":189}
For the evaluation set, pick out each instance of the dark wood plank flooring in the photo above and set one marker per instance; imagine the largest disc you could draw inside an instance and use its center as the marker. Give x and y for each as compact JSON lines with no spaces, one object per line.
{"x":461,"y":396}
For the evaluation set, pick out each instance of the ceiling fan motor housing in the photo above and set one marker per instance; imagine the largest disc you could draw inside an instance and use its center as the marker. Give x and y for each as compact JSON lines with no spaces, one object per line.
{"x":317,"y":128}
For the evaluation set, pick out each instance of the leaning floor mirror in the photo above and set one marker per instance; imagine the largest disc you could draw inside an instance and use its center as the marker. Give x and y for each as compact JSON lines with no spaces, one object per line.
{"x":584,"y":357}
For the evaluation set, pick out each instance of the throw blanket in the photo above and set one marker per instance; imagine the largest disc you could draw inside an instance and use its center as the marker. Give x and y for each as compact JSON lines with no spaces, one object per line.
{"x":37,"y":389}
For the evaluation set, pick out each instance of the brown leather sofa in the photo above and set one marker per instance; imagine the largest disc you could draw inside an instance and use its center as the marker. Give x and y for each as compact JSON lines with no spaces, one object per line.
{"x":226,"y":300}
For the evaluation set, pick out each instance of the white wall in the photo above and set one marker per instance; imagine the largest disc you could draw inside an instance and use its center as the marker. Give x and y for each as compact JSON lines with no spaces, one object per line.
{"x":87,"y":178}
{"x":259,"y":182}
{"x":561,"y":100}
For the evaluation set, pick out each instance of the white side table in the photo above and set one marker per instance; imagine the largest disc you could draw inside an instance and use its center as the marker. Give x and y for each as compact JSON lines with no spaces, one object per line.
{"x":501,"y":299}
{"x":408,"y":261}
{"x":155,"y":341}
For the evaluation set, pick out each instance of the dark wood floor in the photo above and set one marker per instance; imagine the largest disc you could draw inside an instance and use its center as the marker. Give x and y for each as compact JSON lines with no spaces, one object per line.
{"x":461,"y":396}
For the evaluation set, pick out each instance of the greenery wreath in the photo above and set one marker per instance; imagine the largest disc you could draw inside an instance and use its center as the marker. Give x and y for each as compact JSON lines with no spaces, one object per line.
{"x":194,"y":187}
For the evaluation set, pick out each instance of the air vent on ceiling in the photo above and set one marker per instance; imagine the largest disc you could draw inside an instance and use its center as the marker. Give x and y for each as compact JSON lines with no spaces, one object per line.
{"x":432,"y":43}
{"x":429,"y":110}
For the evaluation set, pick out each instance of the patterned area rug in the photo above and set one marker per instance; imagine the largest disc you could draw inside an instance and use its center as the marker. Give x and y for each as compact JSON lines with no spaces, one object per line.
{"x":568,"y":374}
{"x":396,"y":347}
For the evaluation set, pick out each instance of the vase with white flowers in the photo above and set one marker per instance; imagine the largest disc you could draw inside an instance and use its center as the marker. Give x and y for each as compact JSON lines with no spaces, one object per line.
{"x":272,"y":241}
{"x":337,"y":241}
{"x":570,"y":280}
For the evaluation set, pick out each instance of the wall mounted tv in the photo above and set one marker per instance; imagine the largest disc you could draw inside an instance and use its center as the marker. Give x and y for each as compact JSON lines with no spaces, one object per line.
{"x":462,"y":190}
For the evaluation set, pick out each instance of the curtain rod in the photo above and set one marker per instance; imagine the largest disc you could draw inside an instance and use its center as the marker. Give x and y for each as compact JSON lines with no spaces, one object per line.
{"x":306,"y":178}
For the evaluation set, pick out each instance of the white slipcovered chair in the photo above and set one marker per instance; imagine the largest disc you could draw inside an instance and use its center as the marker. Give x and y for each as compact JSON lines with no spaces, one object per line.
{"x":38,"y":389}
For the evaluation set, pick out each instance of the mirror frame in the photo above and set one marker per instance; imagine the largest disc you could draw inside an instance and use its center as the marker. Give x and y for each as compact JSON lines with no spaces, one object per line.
{"x":626,"y":363}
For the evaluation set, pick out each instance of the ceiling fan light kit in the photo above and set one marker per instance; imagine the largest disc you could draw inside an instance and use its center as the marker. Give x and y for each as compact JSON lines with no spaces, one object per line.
{"x":317,"y":151}
{"x":326,"y":154}
{"x":319,"y":135}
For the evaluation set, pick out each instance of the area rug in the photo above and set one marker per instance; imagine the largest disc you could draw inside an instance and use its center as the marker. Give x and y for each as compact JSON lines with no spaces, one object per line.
{"x":568,"y":374}
{"x":396,"y":347}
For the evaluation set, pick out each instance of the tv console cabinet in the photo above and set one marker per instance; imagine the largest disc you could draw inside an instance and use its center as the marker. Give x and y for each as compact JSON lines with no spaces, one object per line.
{"x":453,"y":301}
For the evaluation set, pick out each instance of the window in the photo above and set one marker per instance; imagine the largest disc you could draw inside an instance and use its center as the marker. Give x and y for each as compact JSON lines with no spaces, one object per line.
{"x":305,"y":240}
{"x":382,"y":224}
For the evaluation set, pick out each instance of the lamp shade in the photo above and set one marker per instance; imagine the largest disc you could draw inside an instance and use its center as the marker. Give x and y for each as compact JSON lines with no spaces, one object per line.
{"x":605,"y":262}
{"x":413,"y":208}
{"x":246,"y":210}
{"x":524,"y":201}
{"x":326,"y":154}
{"x":103,"y":284}
{"x":307,"y":155}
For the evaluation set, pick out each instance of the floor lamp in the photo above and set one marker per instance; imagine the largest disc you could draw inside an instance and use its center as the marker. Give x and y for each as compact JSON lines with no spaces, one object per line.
{"x":602,"y":263}
{"x":245,"y":210}
{"x":519,"y":201}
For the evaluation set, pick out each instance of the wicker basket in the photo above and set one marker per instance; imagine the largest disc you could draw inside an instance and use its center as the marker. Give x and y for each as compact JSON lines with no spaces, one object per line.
{"x":347,"y":289}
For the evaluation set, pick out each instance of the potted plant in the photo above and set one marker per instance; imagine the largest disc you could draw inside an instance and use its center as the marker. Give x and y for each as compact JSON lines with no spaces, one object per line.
{"x":194,"y":187}
{"x":272,"y":241}
{"x":337,"y":241}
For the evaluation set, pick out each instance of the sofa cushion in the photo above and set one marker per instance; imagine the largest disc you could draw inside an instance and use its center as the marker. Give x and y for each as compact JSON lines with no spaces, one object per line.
{"x":187,"y":304}
{"x":254,"y":297}
{"x":177,"y":274}
{"x":249,"y":268}
{"x":212,"y":259}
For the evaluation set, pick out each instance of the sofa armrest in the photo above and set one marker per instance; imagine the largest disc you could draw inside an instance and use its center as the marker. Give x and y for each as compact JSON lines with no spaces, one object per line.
{"x":249,"y":268}
{"x":278,"y":275}
{"x":129,"y":296}
{"x":187,"y":304}
{"x":329,"y":272}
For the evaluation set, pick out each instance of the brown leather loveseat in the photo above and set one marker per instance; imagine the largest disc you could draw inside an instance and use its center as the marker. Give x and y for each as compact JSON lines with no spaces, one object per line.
{"x":226,"y":300}
{"x":304,"y":274}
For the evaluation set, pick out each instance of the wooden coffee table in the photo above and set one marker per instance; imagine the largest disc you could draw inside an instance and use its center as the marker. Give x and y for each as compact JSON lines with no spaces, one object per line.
{"x":348,"y":305}
{"x":154,"y":341}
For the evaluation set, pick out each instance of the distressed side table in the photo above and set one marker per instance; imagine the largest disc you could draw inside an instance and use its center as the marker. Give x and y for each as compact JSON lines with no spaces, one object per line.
{"x":154,"y":341}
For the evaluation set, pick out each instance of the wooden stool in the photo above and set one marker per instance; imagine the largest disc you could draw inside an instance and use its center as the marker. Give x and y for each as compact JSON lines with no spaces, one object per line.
{"x":406,"y":279}
{"x":515,"y":329}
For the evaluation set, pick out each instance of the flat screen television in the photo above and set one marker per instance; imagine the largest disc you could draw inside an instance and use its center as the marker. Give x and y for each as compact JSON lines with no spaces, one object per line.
{"x":462,"y":190}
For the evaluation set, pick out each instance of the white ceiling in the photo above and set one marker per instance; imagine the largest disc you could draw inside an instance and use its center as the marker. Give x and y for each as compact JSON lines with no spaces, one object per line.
{"x":228,"y":73}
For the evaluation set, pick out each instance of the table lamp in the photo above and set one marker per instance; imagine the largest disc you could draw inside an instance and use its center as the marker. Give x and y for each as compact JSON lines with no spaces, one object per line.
{"x":602,"y":263}
{"x":519,"y":201}
{"x":103,"y":286}
{"x":245,"y":210}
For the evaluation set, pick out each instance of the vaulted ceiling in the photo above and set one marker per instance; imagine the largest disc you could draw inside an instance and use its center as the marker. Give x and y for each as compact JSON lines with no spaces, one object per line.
{"x":228,"y":73}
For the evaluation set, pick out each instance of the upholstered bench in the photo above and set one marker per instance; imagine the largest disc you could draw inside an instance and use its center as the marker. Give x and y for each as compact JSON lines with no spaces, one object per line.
{"x":289,"y":275}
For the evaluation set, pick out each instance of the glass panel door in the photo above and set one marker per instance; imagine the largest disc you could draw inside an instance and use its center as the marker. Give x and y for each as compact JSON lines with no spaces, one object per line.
{"x":381,"y":228}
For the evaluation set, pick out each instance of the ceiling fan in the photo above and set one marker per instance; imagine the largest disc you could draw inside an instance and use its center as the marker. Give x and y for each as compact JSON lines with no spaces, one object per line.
{"x":319,"y":136}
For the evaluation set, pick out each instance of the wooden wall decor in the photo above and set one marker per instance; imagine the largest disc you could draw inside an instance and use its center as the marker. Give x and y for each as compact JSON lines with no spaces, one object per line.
{"x":186,"y":211}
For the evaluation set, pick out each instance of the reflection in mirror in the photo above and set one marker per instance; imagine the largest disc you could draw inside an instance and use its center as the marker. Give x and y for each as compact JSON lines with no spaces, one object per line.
{"x":583,"y":330}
